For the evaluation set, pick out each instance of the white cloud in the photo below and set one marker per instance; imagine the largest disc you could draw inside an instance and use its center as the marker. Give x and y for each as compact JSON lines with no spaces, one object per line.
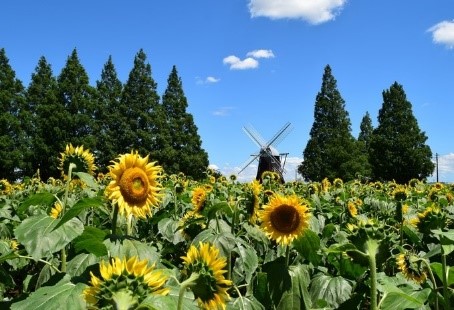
{"x":313,"y":11}
{"x":443,"y":33}
{"x":238,"y":64}
{"x":261,"y":54}
{"x":212,"y":79}
{"x":223,"y":111}
{"x":207,"y":80}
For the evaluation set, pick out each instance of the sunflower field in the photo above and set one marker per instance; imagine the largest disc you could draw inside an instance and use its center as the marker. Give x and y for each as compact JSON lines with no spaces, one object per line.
{"x":137,"y":238}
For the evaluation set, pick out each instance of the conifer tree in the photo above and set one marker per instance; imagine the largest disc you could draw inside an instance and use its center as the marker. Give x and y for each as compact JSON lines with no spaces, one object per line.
{"x":182,"y":151}
{"x":397,"y":149}
{"x":47,"y":113}
{"x":12,"y":137}
{"x":138,"y":101}
{"x":332,"y":151}
{"x":77,"y":97}
{"x":366,"y":131}
{"x":107,"y":115}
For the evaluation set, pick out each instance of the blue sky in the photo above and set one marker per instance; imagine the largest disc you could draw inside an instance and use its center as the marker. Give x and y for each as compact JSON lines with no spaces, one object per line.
{"x":257,"y":62}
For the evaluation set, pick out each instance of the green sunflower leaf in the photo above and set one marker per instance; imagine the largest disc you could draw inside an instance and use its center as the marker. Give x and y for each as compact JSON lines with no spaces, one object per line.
{"x":398,"y":299}
{"x":78,"y":207}
{"x":79,"y":264}
{"x":91,"y":241}
{"x":308,"y":246}
{"x":54,"y":297}
{"x":334,"y":290}
{"x":437,"y":268}
{"x":129,"y":248}
{"x":41,"y":199}
{"x":39,"y":238}
{"x":246,"y":303}
{"x":88,"y":179}
{"x":297,"y":297}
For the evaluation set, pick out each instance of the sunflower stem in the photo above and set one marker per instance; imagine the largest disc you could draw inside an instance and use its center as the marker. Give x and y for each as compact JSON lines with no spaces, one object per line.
{"x":287,"y":255}
{"x":372,"y":247}
{"x":445,"y":271}
{"x":40,"y":260}
{"x":129,"y":225}
{"x":115,"y":219}
{"x":434,"y":283}
{"x":184,"y":285}
{"x":65,"y":202}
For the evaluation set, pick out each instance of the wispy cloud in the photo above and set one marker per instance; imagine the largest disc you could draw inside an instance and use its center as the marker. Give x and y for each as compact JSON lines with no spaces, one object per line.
{"x":207,"y":80}
{"x":236,"y":63}
{"x":223,"y":111}
{"x":261,"y":54}
{"x":443,"y":33}
{"x":250,"y":62}
{"x":312,"y":11}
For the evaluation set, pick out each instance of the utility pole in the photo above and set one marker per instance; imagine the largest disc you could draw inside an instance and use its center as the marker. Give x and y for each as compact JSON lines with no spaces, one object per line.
{"x":436,"y":164}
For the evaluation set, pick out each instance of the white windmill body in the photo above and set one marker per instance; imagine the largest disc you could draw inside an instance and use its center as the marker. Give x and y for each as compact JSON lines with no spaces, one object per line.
{"x":268,"y":156}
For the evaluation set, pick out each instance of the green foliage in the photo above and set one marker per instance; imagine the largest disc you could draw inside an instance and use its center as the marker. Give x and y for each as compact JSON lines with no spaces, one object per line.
{"x":139,"y":101}
{"x":77,"y":97}
{"x":397,"y":148}
{"x":13,"y":140}
{"x":331,"y":151}
{"x":44,"y":129}
{"x":108,"y":115}
{"x":181,"y":149}
{"x":339,"y":262}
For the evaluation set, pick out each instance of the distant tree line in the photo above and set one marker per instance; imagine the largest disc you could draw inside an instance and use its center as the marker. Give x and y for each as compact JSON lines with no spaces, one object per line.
{"x":395,"y":150}
{"x":111,"y":118}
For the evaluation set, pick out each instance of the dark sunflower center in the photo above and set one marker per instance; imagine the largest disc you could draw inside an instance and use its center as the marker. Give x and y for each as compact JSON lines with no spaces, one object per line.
{"x":285,"y":218}
{"x":134,"y":185}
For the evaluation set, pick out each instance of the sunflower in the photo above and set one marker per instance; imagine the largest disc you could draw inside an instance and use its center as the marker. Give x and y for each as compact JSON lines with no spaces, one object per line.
{"x":252,"y":200}
{"x":56,"y":210}
{"x":400,"y":193}
{"x":124,"y":281}
{"x":352,"y":210}
{"x":135,"y":185}
{"x":338,"y":183}
{"x":411,"y":267}
{"x":199,"y":196}
{"x":83,"y":159}
{"x":192,"y":223}
{"x":210,"y":286}
{"x":5,"y":187}
{"x":284,"y":218}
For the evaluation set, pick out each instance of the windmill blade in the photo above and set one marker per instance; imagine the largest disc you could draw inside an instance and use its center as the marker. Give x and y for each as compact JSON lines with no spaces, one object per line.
{"x":249,"y":162}
{"x":255,"y":136}
{"x":280,"y":135}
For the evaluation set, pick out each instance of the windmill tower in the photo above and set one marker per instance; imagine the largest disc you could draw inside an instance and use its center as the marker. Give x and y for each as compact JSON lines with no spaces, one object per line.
{"x":268,"y":156}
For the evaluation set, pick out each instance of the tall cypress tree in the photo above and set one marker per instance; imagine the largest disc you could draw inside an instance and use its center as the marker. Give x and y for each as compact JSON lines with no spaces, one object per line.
{"x":398,"y":150}
{"x":12,"y":136}
{"x":366,"y":131}
{"x":47,"y":113}
{"x":331,"y":151}
{"x":182,"y":151}
{"x":139,"y":99}
{"x":107,"y":115}
{"x":77,"y":97}
{"x":364,"y":137}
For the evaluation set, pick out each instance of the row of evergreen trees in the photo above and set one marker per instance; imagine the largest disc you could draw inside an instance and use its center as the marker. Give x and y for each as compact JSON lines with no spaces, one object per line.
{"x":111,"y":118}
{"x":394,"y":150}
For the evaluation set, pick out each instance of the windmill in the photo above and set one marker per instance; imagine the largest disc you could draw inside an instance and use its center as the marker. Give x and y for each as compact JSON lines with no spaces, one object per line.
{"x":269,"y":158}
